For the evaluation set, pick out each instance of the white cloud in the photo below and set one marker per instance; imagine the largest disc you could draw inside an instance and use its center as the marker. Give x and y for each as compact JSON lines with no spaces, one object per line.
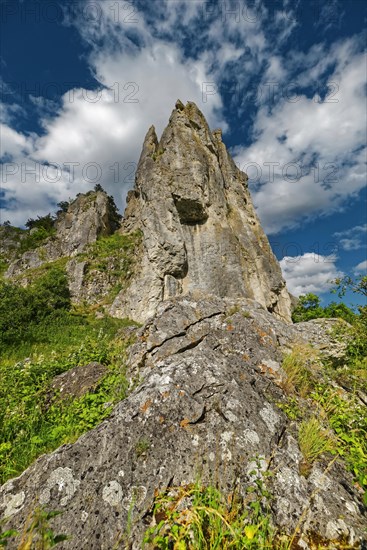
{"x":100,"y":134}
{"x":362,"y":266}
{"x":353,"y":238}
{"x":309,"y":273}
{"x":318,"y":148}
{"x":140,"y":56}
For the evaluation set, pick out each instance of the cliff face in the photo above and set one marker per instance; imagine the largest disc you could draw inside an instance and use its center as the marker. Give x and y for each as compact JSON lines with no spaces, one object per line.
{"x":201,"y":232}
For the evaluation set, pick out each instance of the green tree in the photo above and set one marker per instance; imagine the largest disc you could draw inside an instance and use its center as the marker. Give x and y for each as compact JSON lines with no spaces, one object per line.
{"x":308,"y":307}
{"x":21,"y":308}
{"x":357,"y":285}
{"x":45,"y":222}
{"x":63,"y":207}
{"x":358,"y":346}
{"x":341,"y":311}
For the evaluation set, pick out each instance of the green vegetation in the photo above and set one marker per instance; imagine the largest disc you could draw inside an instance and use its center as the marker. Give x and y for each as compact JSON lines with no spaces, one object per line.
{"x":37,"y":323}
{"x":4,"y":264}
{"x":142,"y":447}
{"x":157,"y":154}
{"x":39,"y":231}
{"x":347,"y":417}
{"x":343,"y":409}
{"x":309,"y":307}
{"x":23,"y":309}
{"x":113,"y":254}
{"x":200,"y":517}
{"x":298,"y":368}
{"x":335,"y":419}
{"x":33,"y":421}
{"x":34,"y":239}
{"x":313,"y":441}
{"x":37,"y":533}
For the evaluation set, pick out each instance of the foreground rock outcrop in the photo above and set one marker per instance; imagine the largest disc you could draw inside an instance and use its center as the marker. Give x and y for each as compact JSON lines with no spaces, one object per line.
{"x":207,"y":404}
{"x":200,"y":229}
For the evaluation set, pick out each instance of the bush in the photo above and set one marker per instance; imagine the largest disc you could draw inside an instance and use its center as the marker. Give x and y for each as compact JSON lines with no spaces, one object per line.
{"x":308,"y":307}
{"x":35,"y":239}
{"x":33,"y":420}
{"x":22,"y":308}
{"x":42,"y":222}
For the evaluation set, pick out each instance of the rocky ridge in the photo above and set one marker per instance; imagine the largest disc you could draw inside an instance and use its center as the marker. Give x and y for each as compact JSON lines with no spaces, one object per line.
{"x":87,"y":218}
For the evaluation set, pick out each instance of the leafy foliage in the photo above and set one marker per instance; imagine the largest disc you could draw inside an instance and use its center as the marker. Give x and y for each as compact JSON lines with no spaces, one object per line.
{"x":31,"y":424}
{"x":199,"y":517}
{"x":63,"y":207}
{"x":357,"y":285}
{"x":23,"y":308}
{"x":42,"y":222}
{"x":335,"y":416}
{"x":309,"y":307}
{"x":348,"y":418}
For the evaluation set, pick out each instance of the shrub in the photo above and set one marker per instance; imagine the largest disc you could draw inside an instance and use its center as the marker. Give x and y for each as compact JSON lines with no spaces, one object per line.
{"x":22,"y":308}
{"x":199,"y":517}
{"x":42,"y":222}
{"x":308,"y":307}
{"x":31,"y":421}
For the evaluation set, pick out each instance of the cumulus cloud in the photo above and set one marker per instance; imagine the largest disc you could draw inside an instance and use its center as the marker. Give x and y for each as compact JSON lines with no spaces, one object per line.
{"x":309,"y":273}
{"x":96,"y":136}
{"x":142,"y":62}
{"x":308,"y":154}
{"x":353,"y":238}
{"x":361,"y":267}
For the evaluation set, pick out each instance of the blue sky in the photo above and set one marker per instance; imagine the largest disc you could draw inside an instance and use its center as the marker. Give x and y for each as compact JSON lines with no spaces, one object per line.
{"x":83,"y":80}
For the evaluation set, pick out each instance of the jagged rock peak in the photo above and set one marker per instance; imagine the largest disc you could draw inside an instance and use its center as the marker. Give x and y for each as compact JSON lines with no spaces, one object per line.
{"x":201,"y":233}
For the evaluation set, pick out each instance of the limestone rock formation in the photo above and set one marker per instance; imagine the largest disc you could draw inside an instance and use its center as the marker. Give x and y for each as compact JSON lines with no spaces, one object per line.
{"x":207,"y":404}
{"x":207,"y":387}
{"x":201,"y":231}
{"x":88,"y":217}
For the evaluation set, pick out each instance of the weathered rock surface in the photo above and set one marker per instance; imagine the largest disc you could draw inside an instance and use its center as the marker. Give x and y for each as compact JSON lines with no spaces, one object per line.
{"x":206,"y":404}
{"x":77,"y":381}
{"x":201,"y":231}
{"x":88,"y":217}
{"x":323,"y":335}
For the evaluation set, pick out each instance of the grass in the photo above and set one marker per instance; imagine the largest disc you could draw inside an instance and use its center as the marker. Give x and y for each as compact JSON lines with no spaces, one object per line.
{"x":343,"y":414}
{"x":297,"y":366}
{"x":347,"y":417}
{"x":313,"y":442}
{"x":142,"y":447}
{"x":199,"y":517}
{"x":37,"y":533}
{"x":30,"y":425}
{"x":115,"y":256}
{"x":38,"y":237}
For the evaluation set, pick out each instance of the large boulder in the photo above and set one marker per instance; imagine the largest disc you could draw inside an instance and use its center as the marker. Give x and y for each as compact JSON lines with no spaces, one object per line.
{"x":206,"y":405}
